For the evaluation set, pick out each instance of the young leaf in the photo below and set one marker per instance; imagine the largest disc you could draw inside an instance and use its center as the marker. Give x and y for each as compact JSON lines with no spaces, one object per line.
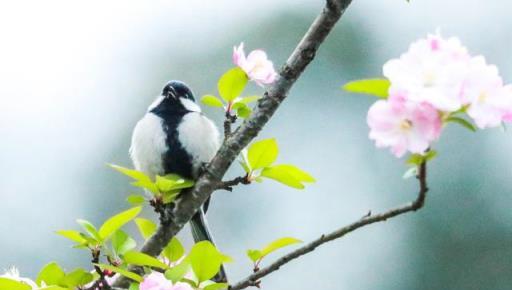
{"x":72,"y":235}
{"x":254,"y":255}
{"x":176,"y":273}
{"x":262,"y":153}
{"x":137,"y":175}
{"x":141,"y":179}
{"x":53,"y":287}
{"x":211,"y":101}
{"x":242,"y":110}
{"x":117,"y":221}
{"x":463,"y":122}
{"x":249,"y":99}
{"x":172,"y":182}
{"x":89,"y":228}
{"x":122,"y":242}
{"x":51,"y":274}
{"x":174,"y":250}
{"x":376,"y":87}
{"x":120,"y":271}
{"x":278,"y":244}
{"x":136,"y":199}
{"x":232,"y":83}
{"x":9,"y":284}
{"x":244,"y":161}
{"x":141,"y":259}
{"x":416,"y":159}
{"x":78,"y":277}
{"x":216,"y":286}
{"x":287,"y":174}
{"x":205,"y":260}
{"x":146,"y":227}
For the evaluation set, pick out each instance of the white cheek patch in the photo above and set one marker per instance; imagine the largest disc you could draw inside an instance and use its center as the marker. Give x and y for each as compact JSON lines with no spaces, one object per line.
{"x":148,"y":145}
{"x":199,"y":137}
{"x":190,"y":105}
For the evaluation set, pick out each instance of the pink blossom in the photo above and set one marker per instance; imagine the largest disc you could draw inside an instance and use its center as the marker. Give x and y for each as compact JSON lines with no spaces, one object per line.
{"x":403,"y":125}
{"x":432,"y":71}
{"x":157,"y":281}
{"x":256,"y":65}
{"x":489,"y":101}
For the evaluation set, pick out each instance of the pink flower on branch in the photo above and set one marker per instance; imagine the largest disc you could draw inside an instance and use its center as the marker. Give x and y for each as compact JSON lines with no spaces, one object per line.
{"x":157,"y":281}
{"x":432,"y":71}
{"x":403,"y":125}
{"x":256,"y":65}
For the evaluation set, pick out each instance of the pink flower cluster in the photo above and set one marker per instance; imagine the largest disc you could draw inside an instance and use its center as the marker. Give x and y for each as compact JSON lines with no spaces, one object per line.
{"x":157,"y":281}
{"x":256,"y":65}
{"x":434,"y":80}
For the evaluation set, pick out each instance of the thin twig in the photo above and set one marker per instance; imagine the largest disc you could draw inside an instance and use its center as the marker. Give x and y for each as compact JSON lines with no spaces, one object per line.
{"x":418,"y":203}
{"x":188,"y":204}
{"x":229,"y":184}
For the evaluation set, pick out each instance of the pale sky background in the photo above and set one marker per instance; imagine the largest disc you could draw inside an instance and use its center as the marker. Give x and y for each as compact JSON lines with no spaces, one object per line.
{"x":75,"y":77}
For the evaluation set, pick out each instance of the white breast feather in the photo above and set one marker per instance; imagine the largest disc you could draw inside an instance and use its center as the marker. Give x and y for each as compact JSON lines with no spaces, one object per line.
{"x":148,"y":145}
{"x":200,"y":138}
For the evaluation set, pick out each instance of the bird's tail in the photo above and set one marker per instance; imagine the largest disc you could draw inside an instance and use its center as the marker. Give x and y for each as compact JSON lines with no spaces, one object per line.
{"x":200,"y":232}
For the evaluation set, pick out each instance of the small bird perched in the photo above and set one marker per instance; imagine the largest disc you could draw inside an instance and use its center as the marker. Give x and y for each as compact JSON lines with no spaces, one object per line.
{"x":175,"y":137}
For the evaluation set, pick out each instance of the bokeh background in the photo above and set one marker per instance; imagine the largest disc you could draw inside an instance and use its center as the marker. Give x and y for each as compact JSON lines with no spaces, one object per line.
{"x":75,"y":76}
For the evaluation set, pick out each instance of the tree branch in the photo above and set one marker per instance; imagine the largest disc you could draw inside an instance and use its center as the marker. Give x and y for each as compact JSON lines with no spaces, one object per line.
{"x":190,"y":201}
{"x":369,"y":219}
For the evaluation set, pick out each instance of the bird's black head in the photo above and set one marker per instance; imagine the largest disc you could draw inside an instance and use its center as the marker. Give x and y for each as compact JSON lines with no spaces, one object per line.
{"x":176,"y":90}
{"x":176,"y":98}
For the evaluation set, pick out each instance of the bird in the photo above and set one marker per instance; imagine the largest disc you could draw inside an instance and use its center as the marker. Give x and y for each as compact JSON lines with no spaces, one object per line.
{"x":175,"y":137}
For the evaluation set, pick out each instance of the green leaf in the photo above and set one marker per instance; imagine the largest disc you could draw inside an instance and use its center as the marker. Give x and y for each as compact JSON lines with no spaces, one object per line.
{"x":122,"y":242}
{"x":205,"y":260}
{"x":244,"y":161}
{"x":136,"y":199}
{"x":141,"y":179}
{"x":242,"y":110}
{"x":72,"y":235}
{"x":9,"y":284}
{"x":254,"y":255}
{"x":53,"y":287}
{"x":172,"y":182}
{"x":278,"y":244}
{"x":375,"y":87}
{"x":78,"y":277}
{"x":120,"y":271}
{"x":463,"y":122}
{"x":417,"y":159}
{"x":262,"y":153}
{"x":141,"y":259}
{"x":117,"y":221}
{"x":51,"y":274}
{"x":216,"y":286}
{"x":249,"y":99}
{"x":176,"y":273}
{"x":212,"y":101}
{"x":232,"y":83}
{"x":134,"y":286}
{"x":287,"y":174}
{"x":146,"y":227}
{"x":89,"y":228}
{"x":174,"y":250}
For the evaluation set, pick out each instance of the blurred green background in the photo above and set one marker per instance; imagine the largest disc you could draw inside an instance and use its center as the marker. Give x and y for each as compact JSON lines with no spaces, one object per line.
{"x":76,"y":76}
